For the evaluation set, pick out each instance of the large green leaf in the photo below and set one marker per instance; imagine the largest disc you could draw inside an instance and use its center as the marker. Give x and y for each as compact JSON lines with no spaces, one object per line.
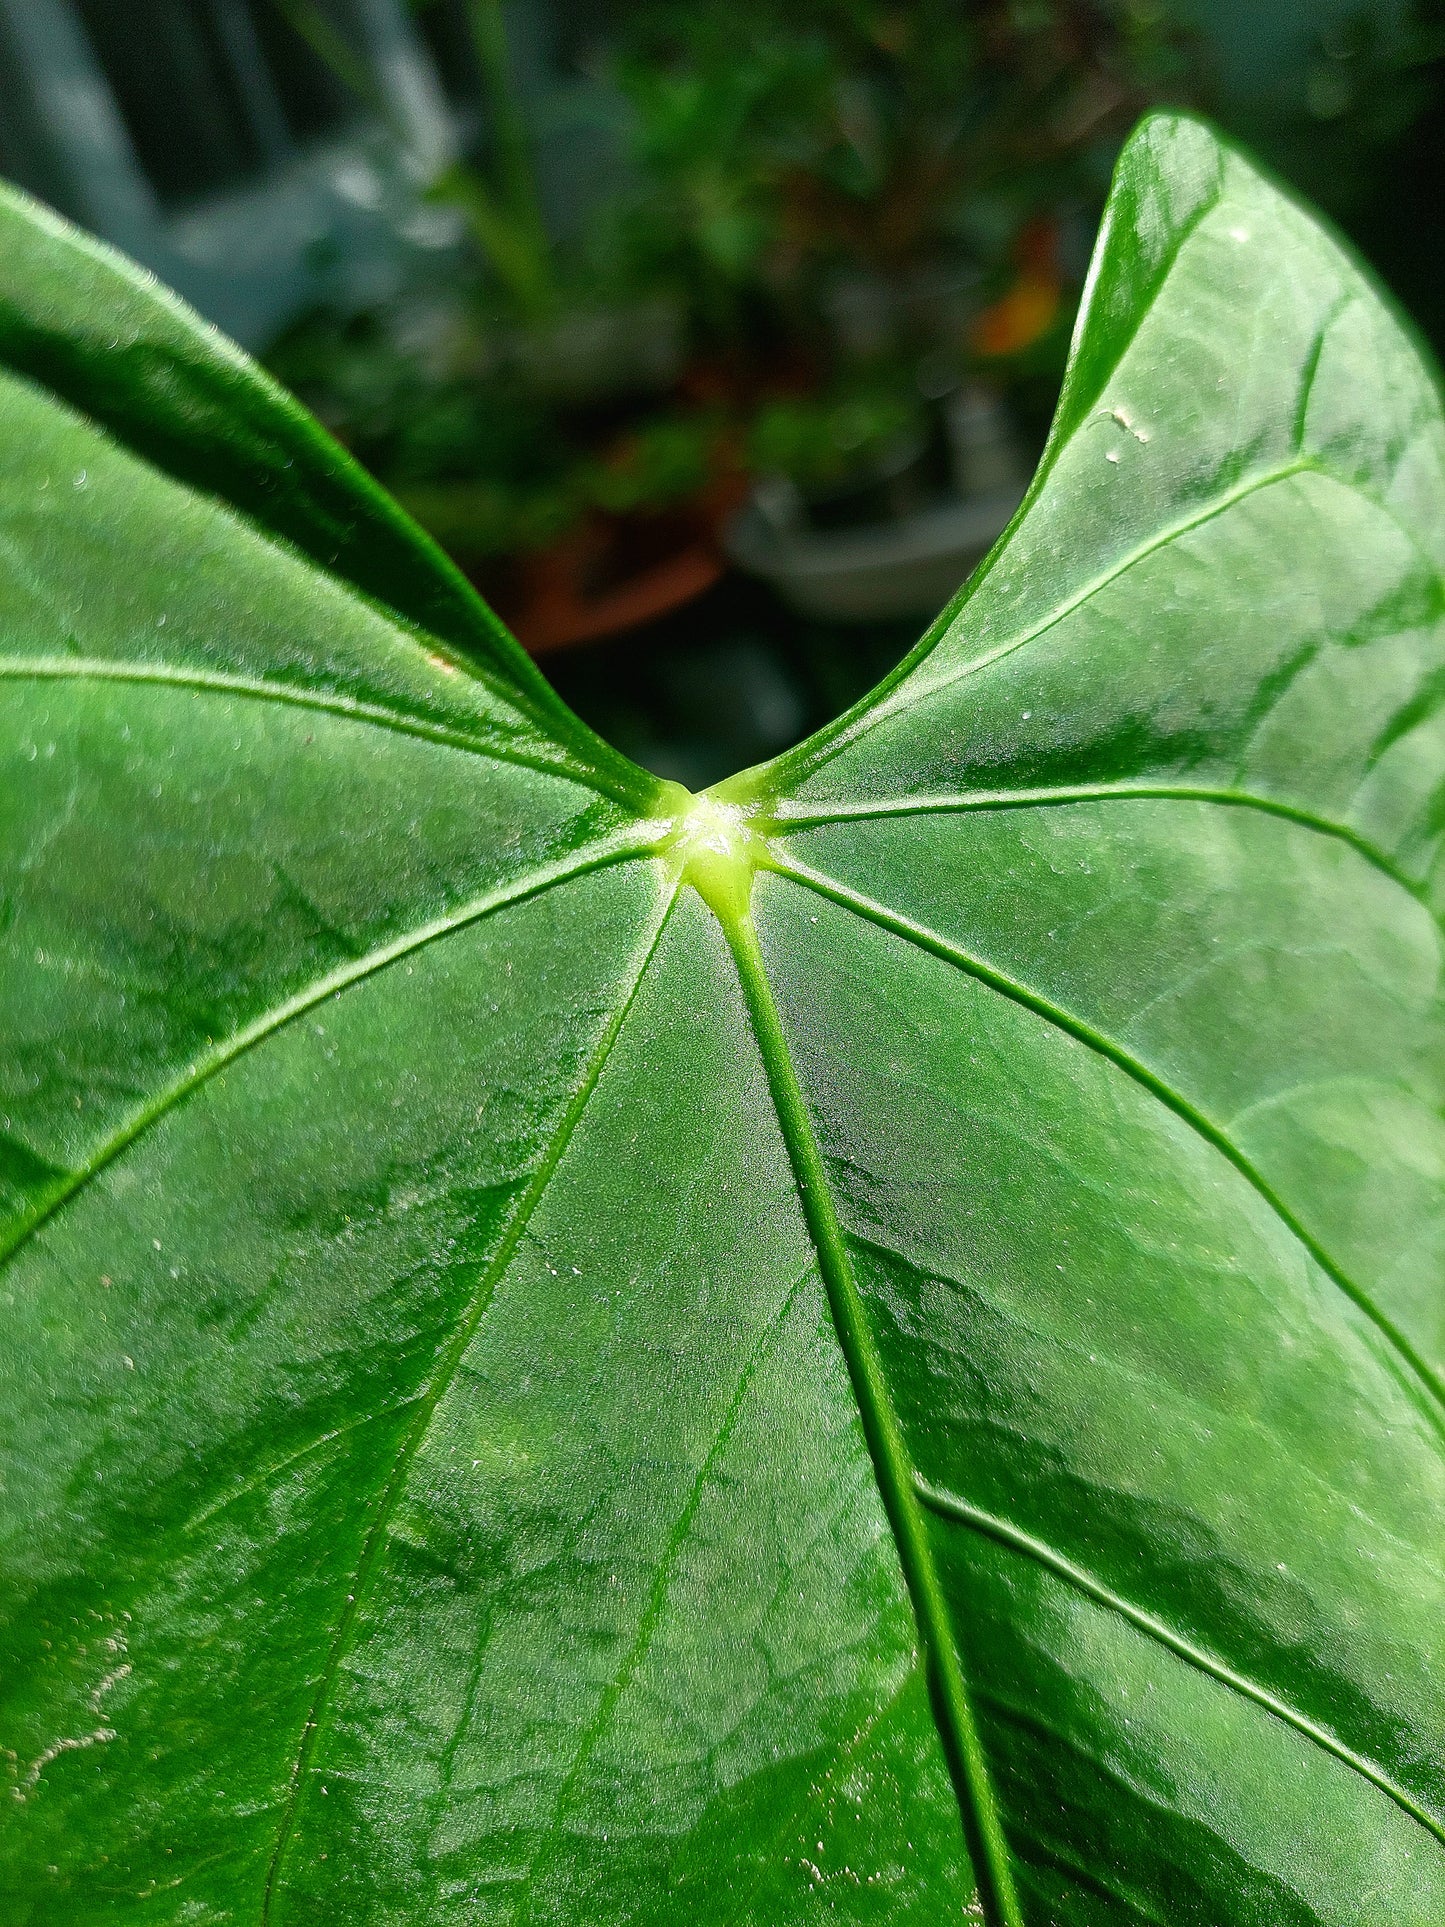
{"x":579,"y":1355}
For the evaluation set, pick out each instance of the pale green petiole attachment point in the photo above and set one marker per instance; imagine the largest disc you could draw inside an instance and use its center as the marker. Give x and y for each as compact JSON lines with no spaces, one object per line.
{"x":711,"y":845}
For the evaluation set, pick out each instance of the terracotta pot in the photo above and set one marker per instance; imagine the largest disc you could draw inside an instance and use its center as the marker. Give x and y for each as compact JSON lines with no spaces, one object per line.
{"x":614,"y":573}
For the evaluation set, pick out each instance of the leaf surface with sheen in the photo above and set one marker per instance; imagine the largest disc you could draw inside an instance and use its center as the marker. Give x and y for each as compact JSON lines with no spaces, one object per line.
{"x":868,"y":1347}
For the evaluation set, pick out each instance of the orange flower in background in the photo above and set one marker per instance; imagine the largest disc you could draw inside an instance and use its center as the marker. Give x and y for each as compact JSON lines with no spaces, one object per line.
{"x":1028,"y":309}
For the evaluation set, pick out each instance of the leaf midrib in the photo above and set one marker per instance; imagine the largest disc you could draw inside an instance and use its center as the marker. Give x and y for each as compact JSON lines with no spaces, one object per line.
{"x":812,"y":1181}
{"x":892,"y":1465}
{"x":896,"y":1475}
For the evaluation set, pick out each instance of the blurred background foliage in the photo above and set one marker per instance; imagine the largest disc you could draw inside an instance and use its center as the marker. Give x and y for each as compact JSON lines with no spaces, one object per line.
{"x":715,"y":339}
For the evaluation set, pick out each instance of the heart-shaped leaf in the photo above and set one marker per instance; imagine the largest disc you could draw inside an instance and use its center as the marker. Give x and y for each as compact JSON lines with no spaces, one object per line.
{"x":577,"y":1354}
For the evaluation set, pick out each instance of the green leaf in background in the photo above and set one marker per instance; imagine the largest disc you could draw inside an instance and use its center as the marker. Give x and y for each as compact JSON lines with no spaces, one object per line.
{"x":573,"y":1354}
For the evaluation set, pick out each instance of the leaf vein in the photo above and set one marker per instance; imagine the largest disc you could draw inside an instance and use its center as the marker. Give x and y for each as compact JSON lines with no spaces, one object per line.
{"x":258,"y":689}
{"x":597,"y":856}
{"x":811,"y":1794}
{"x":929,"y":940}
{"x":785,"y":820}
{"x":519,"y":692}
{"x":903,"y":695}
{"x":652,"y":1610}
{"x":950,"y":1506}
{"x":260,"y":1480}
{"x":1311,"y":368}
{"x":436,"y":1389}
{"x":1163,"y":539}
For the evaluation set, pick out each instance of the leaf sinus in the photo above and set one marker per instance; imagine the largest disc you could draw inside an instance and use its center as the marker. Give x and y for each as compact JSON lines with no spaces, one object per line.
{"x":711,"y":844}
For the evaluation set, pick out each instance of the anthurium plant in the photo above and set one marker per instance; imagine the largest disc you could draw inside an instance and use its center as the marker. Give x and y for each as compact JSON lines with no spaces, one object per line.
{"x":861,"y":1347}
